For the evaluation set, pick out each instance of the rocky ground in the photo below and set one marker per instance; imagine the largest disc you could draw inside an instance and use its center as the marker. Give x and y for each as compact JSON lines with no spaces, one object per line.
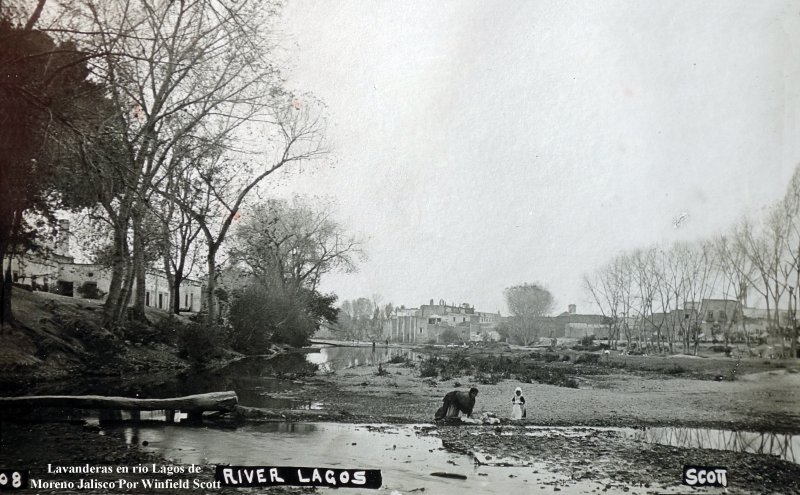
{"x":760,"y":401}
{"x":767,"y":400}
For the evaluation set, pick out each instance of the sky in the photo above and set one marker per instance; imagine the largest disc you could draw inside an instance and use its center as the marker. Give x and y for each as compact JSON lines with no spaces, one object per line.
{"x":479,"y":145}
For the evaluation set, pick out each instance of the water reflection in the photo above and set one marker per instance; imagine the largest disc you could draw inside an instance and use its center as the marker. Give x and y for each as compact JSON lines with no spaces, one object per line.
{"x":258,"y":381}
{"x":337,"y":358}
{"x":250,"y":378}
{"x":785,"y":446}
{"x":406,"y":459}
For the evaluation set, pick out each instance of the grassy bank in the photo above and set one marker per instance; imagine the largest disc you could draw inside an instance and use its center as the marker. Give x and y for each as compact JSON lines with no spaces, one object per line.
{"x":56,"y":337}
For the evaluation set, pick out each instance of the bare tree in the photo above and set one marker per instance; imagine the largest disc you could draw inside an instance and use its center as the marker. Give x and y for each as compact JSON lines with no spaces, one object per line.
{"x":765,"y":245}
{"x":665,"y":322}
{"x":791,"y":205}
{"x":645,"y":280}
{"x":225,"y":180}
{"x":176,"y":72}
{"x":735,"y":276}
{"x":697,"y":281}
{"x":605,"y":289}
{"x":527,"y":302}
{"x":296,"y":242}
{"x":179,"y":232}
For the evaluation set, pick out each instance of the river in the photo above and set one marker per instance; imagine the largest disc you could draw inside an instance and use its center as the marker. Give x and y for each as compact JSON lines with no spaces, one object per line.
{"x":407,"y":454}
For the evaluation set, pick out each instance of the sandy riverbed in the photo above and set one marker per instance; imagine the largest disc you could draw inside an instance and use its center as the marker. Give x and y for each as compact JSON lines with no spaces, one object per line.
{"x":763,"y":401}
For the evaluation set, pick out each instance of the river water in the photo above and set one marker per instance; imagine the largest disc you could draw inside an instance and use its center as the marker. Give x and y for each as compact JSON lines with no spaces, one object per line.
{"x":257,"y":381}
{"x":405,"y":457}
{"x":336,"y":358}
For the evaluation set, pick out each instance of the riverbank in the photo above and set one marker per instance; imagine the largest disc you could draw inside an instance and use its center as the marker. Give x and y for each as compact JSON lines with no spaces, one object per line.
{"x":58,"y":338}
{"x":622,"y":397}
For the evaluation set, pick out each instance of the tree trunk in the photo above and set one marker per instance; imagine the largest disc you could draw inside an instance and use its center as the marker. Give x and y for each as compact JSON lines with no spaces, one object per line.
{"x":115,"y":296}
{"x":176,"y":293}
{"x":6,"y":283}
{"x":139,"y":272}
{"x":7,"y":251}
{"x":211,"y":286}
{"x":125,"y":294}
{"x":670,"y":341}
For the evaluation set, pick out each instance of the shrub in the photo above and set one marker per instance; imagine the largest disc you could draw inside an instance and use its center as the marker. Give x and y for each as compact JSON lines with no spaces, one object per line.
{"x":587,"y":341}
{"x":675,"y":370}
{"x":570,"y":383}
{"x":429,"y":367}
{"x":559,"y":377}
{"x":399,"y":359}
{"x":457,"y":364}
{"x":588,"y":359}
{"x":201,"y":343}
{"x":449,"y":336}
{"x":487,"y":378}
{"x":721,"y":348}
{"x":549,"y":357}
{"x":264,"y":313}
{"x":409,"y":364}
{"x":162,"y":331}
{"x":96,"y":339}
{"x":89,"y":290}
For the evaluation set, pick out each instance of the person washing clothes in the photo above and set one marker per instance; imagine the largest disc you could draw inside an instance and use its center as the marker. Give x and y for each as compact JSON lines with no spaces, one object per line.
{"x":518,"y":405}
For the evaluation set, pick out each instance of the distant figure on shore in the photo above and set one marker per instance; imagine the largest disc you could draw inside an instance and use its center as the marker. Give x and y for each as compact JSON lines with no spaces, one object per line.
{"x":518,"y":410}
{"x":456,"y":402}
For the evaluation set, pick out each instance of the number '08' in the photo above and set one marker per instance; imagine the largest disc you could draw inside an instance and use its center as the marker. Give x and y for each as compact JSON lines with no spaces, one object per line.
{"x":16,"y":479}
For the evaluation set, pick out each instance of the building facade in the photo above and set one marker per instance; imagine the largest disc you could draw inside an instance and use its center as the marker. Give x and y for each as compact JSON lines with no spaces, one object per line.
{"x":52,"y":269}
{"x":440,"y":323}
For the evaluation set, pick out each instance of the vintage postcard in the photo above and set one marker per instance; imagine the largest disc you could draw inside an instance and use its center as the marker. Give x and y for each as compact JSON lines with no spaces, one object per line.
{"x":399,"y":247}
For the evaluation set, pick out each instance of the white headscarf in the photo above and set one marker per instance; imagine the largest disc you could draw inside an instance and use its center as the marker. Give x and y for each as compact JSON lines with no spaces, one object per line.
{"x":519,"y":389}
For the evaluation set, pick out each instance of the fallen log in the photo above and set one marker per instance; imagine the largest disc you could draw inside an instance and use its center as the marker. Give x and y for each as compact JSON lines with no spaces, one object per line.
{"x":449,"y":475}
{"x":214,"y":401}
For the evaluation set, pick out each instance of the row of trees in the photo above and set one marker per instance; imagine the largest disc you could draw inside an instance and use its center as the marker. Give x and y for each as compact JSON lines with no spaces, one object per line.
{"x":160,"y":122}
{"x":363,"y":318}
{"x":759,"y":256}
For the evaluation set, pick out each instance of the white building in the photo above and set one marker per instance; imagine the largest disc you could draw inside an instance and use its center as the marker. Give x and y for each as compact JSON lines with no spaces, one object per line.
{"x":52,"y":269}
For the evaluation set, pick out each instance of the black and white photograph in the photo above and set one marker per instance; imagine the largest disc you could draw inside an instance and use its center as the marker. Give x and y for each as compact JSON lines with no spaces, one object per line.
{"x":399,"y":247}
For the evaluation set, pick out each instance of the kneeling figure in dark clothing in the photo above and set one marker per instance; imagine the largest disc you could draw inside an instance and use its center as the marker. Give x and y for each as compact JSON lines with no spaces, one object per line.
{"x":456,"y":402}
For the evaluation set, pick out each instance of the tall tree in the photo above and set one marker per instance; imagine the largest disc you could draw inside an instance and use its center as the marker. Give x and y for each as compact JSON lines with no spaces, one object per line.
{"x":527,"y":302}
{"x":224,"y":181}
{"x":764,"y":243}
{"x":39,"y":83}
{"x":184,"y":75}
{"x":791,"y":206}
{"x":735,"y":275}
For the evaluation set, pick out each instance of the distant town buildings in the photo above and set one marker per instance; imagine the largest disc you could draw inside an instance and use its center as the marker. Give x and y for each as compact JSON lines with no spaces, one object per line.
{"x":712,"y":319}
{"x":430,"y":322}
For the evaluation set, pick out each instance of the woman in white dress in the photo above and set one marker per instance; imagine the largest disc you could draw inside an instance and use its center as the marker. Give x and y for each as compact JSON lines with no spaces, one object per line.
{"x":518,"y":405}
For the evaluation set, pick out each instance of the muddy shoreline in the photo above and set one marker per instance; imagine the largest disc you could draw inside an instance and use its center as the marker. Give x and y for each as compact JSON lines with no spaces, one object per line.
{"x":395,"y":394}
